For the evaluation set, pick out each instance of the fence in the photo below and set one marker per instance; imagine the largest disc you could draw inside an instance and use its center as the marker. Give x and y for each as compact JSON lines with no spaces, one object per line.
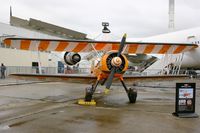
{"x":44,"y":70}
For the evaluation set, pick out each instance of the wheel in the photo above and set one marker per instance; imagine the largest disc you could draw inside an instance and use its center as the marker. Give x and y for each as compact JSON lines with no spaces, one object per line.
{"x":88,"y":95}
{"x":132,"y":95}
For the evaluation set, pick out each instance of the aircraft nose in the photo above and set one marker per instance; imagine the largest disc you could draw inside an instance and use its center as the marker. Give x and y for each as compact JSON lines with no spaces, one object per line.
{"x":116,"y":61}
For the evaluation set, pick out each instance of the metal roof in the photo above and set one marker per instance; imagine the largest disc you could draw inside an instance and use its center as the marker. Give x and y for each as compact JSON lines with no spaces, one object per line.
{"x":47,"y":28}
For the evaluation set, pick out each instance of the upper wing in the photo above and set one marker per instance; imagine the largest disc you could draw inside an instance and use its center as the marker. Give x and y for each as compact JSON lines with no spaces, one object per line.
{"x":89,"y":45}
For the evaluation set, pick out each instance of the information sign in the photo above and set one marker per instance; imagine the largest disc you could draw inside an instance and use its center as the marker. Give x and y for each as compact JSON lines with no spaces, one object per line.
{"x":185,"y":99}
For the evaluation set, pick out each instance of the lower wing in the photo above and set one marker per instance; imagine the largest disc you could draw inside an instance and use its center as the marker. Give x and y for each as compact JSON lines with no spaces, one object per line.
{"x":89,"y":79}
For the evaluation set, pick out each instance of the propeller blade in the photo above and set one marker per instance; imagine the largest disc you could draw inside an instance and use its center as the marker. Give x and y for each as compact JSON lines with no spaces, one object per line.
{"x":122,"y":44}
{"x":110,"y":78}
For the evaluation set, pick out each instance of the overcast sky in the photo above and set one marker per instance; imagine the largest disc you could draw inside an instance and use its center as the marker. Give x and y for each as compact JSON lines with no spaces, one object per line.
{"x":137,"y":18}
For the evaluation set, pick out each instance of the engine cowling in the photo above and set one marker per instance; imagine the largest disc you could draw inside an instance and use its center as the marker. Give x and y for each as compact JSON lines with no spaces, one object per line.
{"x":110,"y":59}
{"x":71,"y":58}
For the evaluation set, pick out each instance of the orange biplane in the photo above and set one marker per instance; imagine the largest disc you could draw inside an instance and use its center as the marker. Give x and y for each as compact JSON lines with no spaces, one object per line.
{"x":113,"y":63}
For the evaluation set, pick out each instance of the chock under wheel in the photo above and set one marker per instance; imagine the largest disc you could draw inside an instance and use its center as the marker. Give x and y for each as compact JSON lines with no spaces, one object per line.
{"x":83,"y":102}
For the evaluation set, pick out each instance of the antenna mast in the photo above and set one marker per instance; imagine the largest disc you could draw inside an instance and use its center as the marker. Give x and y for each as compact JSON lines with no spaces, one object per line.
{"x":10,"y":14}
{"x":171,"y":15}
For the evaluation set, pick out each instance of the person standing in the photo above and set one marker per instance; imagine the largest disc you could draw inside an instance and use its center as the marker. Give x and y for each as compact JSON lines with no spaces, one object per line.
{"x":3,"y":69}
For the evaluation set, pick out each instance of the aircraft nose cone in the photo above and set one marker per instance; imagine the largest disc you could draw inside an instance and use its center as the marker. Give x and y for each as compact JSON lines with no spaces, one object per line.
{"x":116,"y":61}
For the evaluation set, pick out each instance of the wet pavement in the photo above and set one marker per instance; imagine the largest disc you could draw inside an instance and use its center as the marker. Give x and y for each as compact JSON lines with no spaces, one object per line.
{"x":49,"y":107}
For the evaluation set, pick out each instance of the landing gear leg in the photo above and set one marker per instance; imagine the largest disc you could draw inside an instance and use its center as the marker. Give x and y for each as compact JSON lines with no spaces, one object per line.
{"x":90,"y":91}
{"x":131,"y":92}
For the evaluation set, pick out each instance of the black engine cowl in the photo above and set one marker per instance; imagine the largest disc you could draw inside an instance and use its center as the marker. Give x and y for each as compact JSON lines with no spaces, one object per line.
{"x":71,"y":58}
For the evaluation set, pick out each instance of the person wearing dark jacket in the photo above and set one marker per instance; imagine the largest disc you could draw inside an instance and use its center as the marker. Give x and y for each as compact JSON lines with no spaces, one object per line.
{"x":3,"y":69}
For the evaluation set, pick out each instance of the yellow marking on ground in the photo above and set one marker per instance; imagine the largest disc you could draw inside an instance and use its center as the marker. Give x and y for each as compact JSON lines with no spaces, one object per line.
{"x":83,"y":102}
{"x":106,"y":91}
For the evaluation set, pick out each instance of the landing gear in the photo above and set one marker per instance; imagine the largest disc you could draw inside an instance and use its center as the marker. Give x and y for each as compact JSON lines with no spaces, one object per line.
{"x":89,"y":91}
{"x":131,"y":92}
{"x":132,"y":95}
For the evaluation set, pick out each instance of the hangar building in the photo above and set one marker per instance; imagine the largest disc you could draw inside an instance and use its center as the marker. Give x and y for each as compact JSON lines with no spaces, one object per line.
{"x":32,"y":28}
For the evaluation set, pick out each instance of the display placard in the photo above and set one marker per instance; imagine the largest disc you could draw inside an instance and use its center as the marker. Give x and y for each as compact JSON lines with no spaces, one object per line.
{"x":185,"y":97}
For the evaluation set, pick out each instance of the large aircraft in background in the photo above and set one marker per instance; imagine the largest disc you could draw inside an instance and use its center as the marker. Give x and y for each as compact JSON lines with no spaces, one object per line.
{"x":190,"y":58}
{"x":112,"y":64}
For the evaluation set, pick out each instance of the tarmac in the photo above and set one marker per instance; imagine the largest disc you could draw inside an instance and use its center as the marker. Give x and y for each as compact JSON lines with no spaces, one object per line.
{"x":51,"y":107}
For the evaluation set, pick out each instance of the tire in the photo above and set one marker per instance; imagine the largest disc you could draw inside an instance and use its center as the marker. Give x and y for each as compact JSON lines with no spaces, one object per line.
{"x":132,"y":95}
{"x":88,"y":95}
